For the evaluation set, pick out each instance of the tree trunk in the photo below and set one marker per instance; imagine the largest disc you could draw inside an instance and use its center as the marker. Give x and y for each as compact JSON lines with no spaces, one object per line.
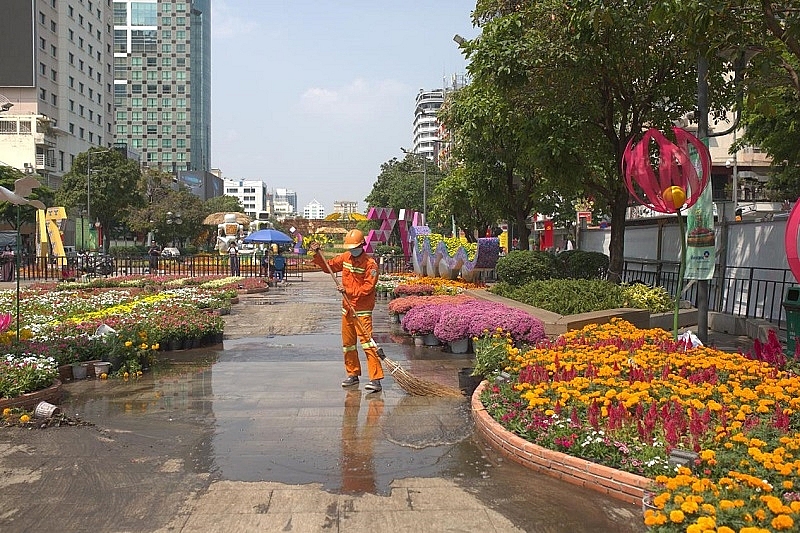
{"x":616,"y":249}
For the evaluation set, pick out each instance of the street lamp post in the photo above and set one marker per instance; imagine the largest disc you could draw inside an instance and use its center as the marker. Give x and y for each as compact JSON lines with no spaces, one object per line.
{"x":732,"y":162}
{"x":174,"y":218}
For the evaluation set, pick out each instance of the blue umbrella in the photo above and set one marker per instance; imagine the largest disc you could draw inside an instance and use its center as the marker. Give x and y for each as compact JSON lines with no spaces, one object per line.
{"x":269,"y":236}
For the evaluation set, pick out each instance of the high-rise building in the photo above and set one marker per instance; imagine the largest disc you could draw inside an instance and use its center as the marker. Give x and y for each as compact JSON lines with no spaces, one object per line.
{"x":314,"y":210}
{"x":284,"y":201}
{"x":428,"y":135}
{"x":253,"y":196}
{"x":55,"y":83}
{"x":162,"y":81}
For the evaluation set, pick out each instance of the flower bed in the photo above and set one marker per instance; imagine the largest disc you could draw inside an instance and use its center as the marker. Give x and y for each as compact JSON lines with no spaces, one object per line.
{"x":64,"y":323}
{"x":625,"y":398}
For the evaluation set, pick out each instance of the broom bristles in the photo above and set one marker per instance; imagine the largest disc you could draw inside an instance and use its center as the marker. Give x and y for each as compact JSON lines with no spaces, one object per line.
{"x":417,"y":386}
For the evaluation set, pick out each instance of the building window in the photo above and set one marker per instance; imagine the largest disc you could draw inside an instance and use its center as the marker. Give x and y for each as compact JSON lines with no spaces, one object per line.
{"x":54,"y":99}
{"x":152,"y":130}
{"x":82,"y":133}
{"x":53,"y":50}
{"x":152,"y":116}
{"x":166,"y":115}
{"x":166,"y":102}
{"x":136,"y":129}
{"x":180,"y":143}
{"x":71,"y":58}
{"x":122,"y":115}
{"x":120,"y":13}
{"x":166,"y":48}
{"x":180,"y":48}
{"x":144,"y":40}
{"x":72,"y":128}
{"x":136,"y":143}
{"x":42,"y":69}
{"x":53,"y":75}
{"x":120,"y":41}
{"x":166,"y":21}
{"x":166,"y":130}
{"x":144,"y":14}
{"x":122,"y":129}
{"x":136,"y":115}
{"x":152,"y":102}
{"x":53,"y":26}
{"x":152,"y":143}
{"x":166,"y":143}
{"x":42,"y":43}
{"x":43,"y":95}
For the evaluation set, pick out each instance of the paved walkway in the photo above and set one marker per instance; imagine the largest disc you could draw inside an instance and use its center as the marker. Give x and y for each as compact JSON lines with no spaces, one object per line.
{"x":257,"y":435}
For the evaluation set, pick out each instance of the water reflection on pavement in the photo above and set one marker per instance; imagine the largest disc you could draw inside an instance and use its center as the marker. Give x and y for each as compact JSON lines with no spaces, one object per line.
{"x":270,"y":409}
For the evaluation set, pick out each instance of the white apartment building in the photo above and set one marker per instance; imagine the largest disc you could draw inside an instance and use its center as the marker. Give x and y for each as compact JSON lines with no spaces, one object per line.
{"x":314,"y":210}
{"x":55,"y":83}
{"x":253,"y":196}
{"x":345,"y":207}
{"x":284,"y":203}
{"x":427,"y":136}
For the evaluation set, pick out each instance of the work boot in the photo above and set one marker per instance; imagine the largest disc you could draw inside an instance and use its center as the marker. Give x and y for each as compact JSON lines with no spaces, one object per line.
{"x":350,"y":381}
{"x":373,"y":386}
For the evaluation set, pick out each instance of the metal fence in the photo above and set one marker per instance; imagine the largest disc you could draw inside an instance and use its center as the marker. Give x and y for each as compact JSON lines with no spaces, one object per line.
{"x":750,"y":292}
{"x":72,"y":267}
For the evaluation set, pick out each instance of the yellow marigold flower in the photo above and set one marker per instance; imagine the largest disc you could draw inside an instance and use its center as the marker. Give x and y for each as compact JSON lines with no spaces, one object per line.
{"x":788,"y":484}
{"x":689,"y":506}
{"x":7,"y":412}
{"x":128,"y":344}
{"x":694,"y":528}
{"x":707,"y":523}
{"x":143,"y":346}
{"x":709,"y":509}
{"x":707,"y":455}
{"x":725,"y":529}
{"x":760,"y":514}
{"x":726,"y":505}
{"x":782,"y":522}
{"x":24,"y":419}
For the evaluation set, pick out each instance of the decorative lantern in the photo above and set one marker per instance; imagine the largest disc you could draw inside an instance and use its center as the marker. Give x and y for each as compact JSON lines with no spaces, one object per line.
{"x":677,"y":185}
{"x":675,"y":170}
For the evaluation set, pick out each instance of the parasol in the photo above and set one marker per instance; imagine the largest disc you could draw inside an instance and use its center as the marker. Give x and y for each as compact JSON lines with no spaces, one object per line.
{"x":214,"y":219}
{"x":268,"y":236}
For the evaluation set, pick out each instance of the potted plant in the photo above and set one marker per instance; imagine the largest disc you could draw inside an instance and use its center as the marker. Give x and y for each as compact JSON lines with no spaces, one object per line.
{"x":453,"y":327}
{"x":420,"y":321}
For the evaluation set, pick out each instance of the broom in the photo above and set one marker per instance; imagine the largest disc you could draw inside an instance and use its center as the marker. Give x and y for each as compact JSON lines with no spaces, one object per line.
{"x":411,"y":384}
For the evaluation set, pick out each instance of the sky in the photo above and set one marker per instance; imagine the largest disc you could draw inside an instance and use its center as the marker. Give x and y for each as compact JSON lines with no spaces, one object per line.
{"x":314,"y":95}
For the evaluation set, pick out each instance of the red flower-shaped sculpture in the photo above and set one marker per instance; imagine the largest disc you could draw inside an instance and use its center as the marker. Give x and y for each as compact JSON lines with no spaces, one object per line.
{"x":675,"y":169}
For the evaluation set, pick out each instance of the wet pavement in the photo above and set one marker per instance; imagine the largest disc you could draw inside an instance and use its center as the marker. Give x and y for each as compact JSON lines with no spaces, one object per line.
{"x":258,"y":435}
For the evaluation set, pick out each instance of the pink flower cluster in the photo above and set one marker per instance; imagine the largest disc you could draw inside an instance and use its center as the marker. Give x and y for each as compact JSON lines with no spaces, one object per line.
{"x":451,"y":318}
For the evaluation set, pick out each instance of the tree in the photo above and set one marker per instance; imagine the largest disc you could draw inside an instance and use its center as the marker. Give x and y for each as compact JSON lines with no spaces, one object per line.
{"x":473,"y":211}
{"x":112,"y":188}
{"x":222,"y":204}
{"x":598,"y":72}
{"x":27,"y":215}
{"x":400,"y":183}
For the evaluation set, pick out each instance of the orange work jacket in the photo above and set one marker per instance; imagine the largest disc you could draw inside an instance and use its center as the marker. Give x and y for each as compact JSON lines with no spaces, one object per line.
{"x":359,"y":277}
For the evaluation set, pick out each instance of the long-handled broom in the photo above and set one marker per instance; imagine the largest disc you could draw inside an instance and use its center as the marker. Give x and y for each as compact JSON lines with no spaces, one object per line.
{"x":411,"y":384}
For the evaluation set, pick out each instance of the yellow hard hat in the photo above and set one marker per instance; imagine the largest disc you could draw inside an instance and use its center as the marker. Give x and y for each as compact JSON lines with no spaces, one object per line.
{"x":353,"y":239}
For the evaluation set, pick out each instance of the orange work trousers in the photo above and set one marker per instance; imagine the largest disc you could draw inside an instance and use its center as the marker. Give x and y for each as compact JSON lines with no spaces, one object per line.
{"x":350,"y":342}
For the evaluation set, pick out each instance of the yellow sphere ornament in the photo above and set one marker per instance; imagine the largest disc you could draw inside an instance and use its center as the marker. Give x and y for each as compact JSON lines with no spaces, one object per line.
{"x":674,"y":196}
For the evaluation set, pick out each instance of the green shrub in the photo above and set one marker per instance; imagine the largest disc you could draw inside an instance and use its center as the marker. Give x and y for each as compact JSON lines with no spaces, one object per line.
{"x":522,"y":266}
{"x":654,"y":299}
{"x":580,"y":264}
{"x":565,"y":296}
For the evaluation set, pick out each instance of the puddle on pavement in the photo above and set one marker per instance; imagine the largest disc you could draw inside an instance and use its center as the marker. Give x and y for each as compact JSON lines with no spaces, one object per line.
{"x":272,"y":409}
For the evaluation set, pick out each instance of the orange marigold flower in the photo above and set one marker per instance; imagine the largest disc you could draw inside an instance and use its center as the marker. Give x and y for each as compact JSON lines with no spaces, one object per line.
{"x":782,"y":522}
{"x":676,"y":516}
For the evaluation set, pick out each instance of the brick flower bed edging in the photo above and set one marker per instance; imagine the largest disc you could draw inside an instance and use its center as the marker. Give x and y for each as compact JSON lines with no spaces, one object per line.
{"x":51,"y":394}
{"x":621,"y":485}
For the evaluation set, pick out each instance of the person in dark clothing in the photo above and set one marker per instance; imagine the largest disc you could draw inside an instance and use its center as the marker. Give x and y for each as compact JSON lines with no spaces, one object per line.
{"x":154,"y":252}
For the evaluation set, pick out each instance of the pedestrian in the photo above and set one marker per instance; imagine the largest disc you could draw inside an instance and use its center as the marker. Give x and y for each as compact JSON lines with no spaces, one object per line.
{"x":154,"y":252}
{"x":7,"y":258}
{"x":359,"y":278}
{"x":279,"y":264}
{"x":233,"y":253}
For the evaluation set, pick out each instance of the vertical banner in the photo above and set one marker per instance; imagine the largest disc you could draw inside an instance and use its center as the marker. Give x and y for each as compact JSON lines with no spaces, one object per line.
{"x":700,"y":240}
{"x":547,"y":235}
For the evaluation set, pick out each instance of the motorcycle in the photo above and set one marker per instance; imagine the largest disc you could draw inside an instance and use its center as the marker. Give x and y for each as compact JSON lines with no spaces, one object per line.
{"x":101,"y":265}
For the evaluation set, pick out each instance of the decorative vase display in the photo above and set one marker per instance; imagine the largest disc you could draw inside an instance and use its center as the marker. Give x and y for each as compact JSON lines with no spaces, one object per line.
{"x":460,"y":345}
{"x":102,"y":368}
{"x":65,"y":373}
{"x":418,"y":340}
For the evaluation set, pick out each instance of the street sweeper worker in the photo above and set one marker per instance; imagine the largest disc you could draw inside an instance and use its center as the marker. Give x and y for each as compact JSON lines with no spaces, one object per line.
{"x":359,"y":277}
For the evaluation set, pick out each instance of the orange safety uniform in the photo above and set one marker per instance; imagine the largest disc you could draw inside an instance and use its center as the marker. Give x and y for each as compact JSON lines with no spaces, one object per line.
{"x":359,"y":278}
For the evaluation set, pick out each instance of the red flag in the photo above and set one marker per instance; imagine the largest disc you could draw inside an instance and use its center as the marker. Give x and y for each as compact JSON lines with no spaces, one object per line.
{"x":547,"y":236}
